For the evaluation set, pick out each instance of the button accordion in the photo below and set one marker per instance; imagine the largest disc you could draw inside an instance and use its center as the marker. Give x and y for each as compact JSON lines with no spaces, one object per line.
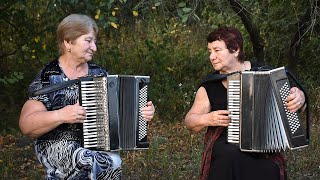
{"x":113,"y":112}
{"x":260,"y":121}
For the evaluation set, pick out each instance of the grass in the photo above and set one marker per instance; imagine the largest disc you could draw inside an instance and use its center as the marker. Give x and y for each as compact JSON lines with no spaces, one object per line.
{"x":174,"y":153}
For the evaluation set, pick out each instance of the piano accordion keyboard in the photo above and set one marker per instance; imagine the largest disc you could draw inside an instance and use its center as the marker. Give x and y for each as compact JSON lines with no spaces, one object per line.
{"x":95,"y":101}
{"x":233,"y":94}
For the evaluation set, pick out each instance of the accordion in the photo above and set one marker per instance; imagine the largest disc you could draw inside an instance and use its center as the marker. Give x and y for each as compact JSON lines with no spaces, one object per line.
{"x":260,"y":121}
{"x":113,"y":116}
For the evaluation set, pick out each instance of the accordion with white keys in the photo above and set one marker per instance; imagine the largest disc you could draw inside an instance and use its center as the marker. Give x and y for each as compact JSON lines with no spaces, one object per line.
{"x":113,"y":116}
{"x":260,"y":121}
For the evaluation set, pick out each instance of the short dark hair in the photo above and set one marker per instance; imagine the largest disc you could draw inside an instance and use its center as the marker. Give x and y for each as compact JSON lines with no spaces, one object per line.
{"x":231,"y":36}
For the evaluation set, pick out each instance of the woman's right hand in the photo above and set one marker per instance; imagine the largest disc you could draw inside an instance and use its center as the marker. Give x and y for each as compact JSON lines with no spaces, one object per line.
{"x":72,"y":114}
{"x":200,"y":116}
{"x":218,"y":118}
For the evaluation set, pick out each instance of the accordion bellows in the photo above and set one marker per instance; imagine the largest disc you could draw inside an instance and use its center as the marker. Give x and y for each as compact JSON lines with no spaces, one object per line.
{"x":113,"y":112}
{"x":260,"y":121}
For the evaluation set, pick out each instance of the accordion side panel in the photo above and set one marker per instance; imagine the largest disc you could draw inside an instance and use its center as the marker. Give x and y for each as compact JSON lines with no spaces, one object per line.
{"x":142,"y":140}
{"x":113,"y":106}
{"x":133,"y":128}
{"x":291,"y":122}
{"x":247,"y":112}
{"x":261,"y":88}
{"x":128,"y":110}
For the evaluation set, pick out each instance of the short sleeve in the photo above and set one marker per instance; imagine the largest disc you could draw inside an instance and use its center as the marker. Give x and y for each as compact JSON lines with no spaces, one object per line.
{"x":35,"y":85}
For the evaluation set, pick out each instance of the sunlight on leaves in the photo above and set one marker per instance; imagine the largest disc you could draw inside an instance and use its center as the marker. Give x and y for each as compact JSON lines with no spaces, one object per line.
{"x":44,"y":46}
{"x":97,"y":16}
{"x":135,"y":13}
{"x":114,"y":25}
{"x":36,"y":39}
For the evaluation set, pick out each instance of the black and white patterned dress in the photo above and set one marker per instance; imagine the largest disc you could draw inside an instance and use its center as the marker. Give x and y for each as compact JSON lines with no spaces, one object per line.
{"x":59,"y":150}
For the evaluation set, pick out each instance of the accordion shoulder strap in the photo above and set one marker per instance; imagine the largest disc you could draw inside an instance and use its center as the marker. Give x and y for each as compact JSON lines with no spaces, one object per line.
{"x":52,"y":88}
{"x":215,"y":77}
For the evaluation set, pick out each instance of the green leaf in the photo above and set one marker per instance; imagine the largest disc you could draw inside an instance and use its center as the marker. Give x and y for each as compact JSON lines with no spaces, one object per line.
{"x":102,"y":4}
{"x":157,"y":4}
{"x":185,"y":18}
{"x":186,"y":10}
{"x":11,"y":81}
{"x":3,"y":81}
{"x":182,"y":4}
{"x":113,"y":19}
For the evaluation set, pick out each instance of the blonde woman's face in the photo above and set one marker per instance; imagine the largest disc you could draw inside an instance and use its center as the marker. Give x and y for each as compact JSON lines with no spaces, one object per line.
{"x":84,"y":47}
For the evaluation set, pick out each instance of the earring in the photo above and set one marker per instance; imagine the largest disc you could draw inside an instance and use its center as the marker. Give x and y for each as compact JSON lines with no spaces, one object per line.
{"x":69,"y":50}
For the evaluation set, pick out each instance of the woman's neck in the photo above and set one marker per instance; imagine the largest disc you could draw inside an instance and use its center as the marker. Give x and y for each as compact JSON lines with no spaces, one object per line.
{"x":71,"y":68}
{"x":238,"y":66}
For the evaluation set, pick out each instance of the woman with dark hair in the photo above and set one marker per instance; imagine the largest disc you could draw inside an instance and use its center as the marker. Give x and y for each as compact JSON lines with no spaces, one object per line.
{"x":55,"y":119}
{"x":222,"y":160}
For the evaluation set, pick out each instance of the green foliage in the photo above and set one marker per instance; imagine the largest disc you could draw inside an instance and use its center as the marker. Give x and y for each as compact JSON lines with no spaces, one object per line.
{"x":13,"y":78}
{"x":149,"y":38}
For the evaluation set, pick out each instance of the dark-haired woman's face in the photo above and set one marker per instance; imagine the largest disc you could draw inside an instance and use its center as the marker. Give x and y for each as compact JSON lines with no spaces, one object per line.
{"x":220,"y":57}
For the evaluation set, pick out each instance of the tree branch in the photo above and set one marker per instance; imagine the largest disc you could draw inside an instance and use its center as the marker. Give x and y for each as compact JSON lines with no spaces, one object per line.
{"x":257,"y":41}
{"x":304,"y":25}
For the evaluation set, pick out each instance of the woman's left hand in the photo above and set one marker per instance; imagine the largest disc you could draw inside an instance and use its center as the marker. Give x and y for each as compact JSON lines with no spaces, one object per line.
{"x":295,"y":100}
{"x":148,"y":111}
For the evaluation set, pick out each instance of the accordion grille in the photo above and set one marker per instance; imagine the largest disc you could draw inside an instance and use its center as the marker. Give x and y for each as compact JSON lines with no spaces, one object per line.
{"x":293,"y":119}
{"x":143,"y":95}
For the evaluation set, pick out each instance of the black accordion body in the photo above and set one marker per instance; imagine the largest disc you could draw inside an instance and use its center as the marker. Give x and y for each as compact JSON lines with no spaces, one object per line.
{"x":113,"y":116}
{"x":260,"y":121}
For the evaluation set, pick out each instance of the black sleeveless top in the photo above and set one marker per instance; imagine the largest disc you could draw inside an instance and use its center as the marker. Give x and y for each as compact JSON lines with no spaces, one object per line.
{"x":228,"y":162}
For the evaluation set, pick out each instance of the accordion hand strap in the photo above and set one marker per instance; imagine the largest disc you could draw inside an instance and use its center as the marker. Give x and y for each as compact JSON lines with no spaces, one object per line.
{"x":306,"y":103}
{"x":52,"y":88}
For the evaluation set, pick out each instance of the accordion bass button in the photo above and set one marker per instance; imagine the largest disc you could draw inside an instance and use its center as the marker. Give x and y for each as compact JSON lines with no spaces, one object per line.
{"x":111,"y":84}
{"x":143,"y":80}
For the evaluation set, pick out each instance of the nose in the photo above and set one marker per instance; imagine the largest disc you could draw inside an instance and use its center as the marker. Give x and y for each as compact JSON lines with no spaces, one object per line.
{"x":93,"y":46}
{"x":212,"y":56}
